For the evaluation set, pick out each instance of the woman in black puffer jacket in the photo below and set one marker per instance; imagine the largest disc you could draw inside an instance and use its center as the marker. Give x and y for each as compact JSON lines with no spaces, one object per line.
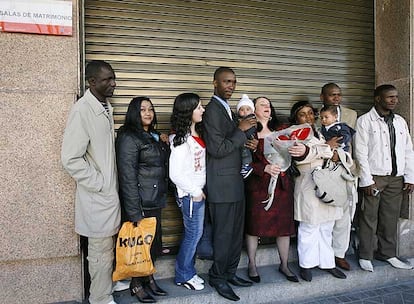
{"x":142,"y":160}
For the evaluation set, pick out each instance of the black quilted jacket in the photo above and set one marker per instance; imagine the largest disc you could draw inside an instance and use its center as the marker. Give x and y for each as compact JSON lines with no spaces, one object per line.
{"x":142,"y":173}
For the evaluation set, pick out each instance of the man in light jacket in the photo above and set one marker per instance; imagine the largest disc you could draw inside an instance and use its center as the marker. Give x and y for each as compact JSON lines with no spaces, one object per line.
{"x":88,"y":155}
{"x":331,"y":95}
{"x":385,"y":154}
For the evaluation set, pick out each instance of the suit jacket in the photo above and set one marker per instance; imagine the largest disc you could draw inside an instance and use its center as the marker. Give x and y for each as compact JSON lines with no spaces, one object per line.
{"x":224,"y":141}
{"x":348,"y":116}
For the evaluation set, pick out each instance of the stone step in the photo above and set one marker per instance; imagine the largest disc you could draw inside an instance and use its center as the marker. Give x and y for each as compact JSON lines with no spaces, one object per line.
{"x":266,"y":255}
{"x":274,"y":288}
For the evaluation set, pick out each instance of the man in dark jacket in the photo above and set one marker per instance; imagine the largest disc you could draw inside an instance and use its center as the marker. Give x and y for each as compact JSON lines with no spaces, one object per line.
{"x":225,"y":188}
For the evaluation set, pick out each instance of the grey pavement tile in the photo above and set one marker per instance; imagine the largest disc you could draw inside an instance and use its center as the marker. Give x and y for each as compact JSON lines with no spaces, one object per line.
{"x":374,"y":300}
{"x":371,"y":293}
{"x":406,"y":286}
{"x":367,"y":294}
{"x":344,"y":299}
{"x":331,"y":300}
{"x":381,"y":291}
{"x":356,"y":296}
{"x":408,"y":301}
{"x":313,"y":301}
{"x":391,"y":289}
{"x":408,"y":297}
{"x":408,"y":291}
{"x":393,"y":299}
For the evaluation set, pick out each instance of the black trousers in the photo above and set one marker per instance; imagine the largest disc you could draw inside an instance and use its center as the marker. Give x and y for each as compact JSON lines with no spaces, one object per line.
{"x":228,"y":227}
{"x":156,"y":246}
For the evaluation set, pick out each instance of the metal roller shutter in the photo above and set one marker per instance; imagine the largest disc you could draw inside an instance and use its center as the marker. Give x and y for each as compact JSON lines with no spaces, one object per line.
{"x":285,"y":50}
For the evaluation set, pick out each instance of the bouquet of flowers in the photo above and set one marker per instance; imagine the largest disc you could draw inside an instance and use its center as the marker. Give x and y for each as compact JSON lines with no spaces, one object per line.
{"x":276,"y":147}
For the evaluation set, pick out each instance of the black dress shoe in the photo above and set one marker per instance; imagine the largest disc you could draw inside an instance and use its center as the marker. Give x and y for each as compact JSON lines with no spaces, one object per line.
{"x":255,"y":279}
{"x":225,"y":290}
{"x":237,"y":281}
{"x":154,"y":288}
{"x":291,"y":278}
{"x":306,"y":274}
{"x":336,"y":273}
{"x":138,"y":290}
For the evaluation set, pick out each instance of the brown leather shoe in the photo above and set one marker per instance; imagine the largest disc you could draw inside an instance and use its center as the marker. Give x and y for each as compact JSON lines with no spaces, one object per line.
{"x":342,"y":263}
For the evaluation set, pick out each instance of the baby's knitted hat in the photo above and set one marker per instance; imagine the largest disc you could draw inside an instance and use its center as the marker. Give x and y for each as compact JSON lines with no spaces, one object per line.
{"x":245,"y":101}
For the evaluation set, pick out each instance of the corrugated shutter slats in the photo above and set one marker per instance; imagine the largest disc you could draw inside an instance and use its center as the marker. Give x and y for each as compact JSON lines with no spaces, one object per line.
{"x":285,"y":50}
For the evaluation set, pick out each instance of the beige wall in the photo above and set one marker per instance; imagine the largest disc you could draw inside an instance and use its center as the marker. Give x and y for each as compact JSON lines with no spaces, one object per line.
{"x":394,"y":33}
{"x":39,"y":252}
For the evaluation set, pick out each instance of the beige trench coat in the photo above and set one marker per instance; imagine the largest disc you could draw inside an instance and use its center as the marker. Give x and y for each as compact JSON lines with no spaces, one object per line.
{"x":309,"y":208}
{"x":88,"y":155}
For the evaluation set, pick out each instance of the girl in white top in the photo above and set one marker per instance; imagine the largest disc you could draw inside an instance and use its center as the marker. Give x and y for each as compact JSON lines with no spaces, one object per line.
{"x":188,"y":173}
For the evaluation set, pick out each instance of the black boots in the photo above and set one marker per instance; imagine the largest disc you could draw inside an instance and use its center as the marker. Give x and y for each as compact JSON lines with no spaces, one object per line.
{"x":139,"y":291}
{"x":155,"y":289}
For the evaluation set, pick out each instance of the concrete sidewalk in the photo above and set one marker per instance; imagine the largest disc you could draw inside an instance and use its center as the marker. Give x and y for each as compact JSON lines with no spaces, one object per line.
{"x":392,"y":293}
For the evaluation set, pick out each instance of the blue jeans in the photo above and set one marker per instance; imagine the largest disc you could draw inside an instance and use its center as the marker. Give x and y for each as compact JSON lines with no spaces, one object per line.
{"x":193,"y":230}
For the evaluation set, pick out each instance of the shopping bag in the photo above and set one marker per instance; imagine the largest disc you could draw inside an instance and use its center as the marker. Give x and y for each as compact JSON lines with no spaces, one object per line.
{"x":133,"y":245}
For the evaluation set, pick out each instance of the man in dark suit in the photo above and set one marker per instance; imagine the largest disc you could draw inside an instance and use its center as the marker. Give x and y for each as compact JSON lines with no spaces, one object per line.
{"x":224,"y":138}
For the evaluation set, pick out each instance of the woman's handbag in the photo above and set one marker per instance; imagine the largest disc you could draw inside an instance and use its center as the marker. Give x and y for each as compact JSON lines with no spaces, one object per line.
{"x":334,"y":181}
{"x":133,"y":245}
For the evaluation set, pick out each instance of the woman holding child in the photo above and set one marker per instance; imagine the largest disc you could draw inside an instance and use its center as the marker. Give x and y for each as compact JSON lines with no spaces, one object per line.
{"x":316,"y":218}
{"x":278,"y":220}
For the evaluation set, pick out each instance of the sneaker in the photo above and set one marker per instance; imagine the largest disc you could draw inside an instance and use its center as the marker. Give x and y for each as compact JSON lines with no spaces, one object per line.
{"x":198,"y":279}
{"x":121,"y":285}
{"x":246,"y":170}
{"x":398,"y":263}
{"x":192,"y":284}
{"x":366,"y":265}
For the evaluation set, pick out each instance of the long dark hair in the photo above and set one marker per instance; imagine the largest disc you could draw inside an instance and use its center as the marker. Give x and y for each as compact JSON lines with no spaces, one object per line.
{"x":133,"y":120}
{"x":181,"y":118}
{"x":274,"y":122}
